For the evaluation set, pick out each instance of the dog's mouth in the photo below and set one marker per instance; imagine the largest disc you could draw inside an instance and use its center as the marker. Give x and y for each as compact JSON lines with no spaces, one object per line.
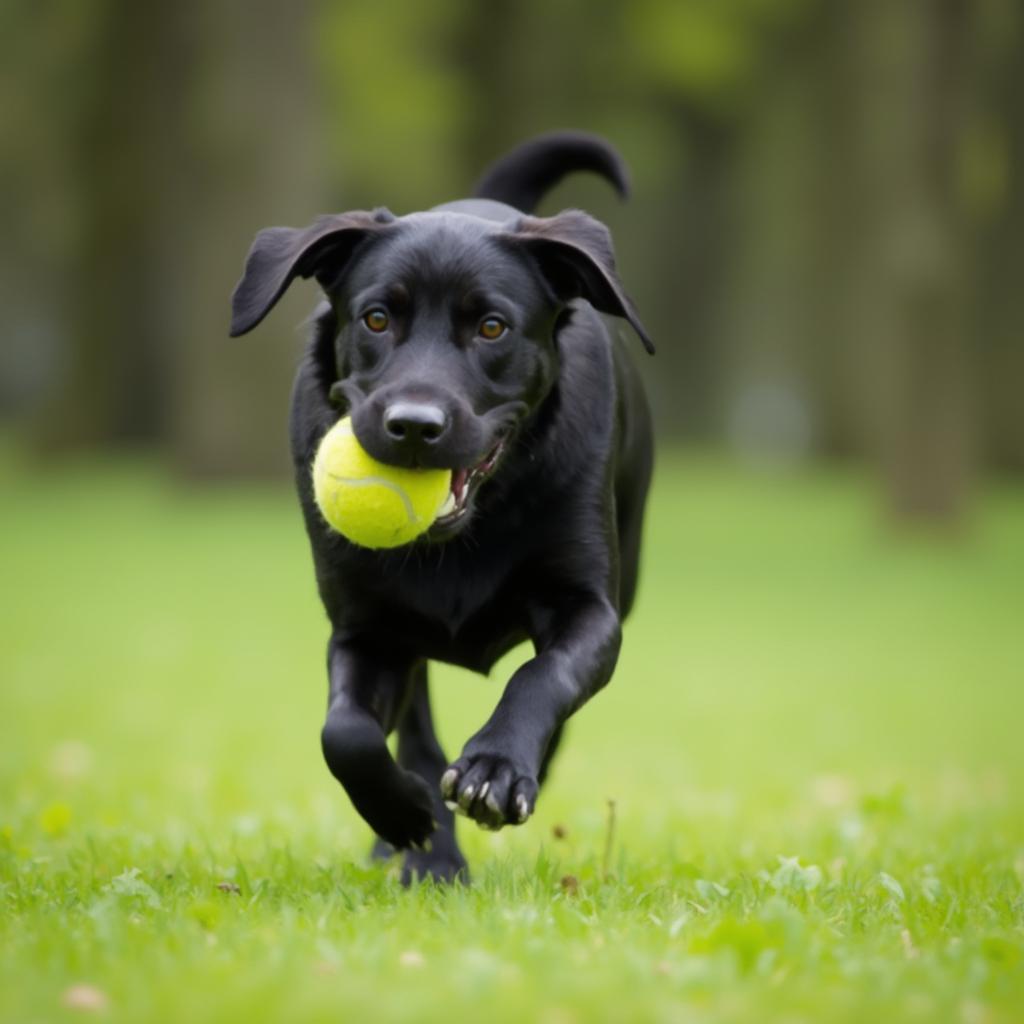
{"x":464,"y":485}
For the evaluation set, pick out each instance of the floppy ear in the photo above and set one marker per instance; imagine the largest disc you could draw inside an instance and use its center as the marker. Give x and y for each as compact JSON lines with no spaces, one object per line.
{"x":575,"y":255}
{"x":278,"y":255}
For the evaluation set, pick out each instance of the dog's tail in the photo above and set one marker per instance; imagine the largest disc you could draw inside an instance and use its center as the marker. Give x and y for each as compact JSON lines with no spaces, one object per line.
{"x":521,"y":177}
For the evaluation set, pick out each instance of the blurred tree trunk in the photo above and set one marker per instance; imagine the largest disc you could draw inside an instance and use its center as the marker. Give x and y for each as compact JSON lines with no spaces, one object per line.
{"x":693,"y":238}
{"x":907,"y":84}
{"x":198,"y":128}
{"x":1000,"y":306}
{"x":114,"y":369}
{"x":523,"y":77}
{"x":772,"y":347}
{"x":252,"y":158}
{"x":496,"y":116}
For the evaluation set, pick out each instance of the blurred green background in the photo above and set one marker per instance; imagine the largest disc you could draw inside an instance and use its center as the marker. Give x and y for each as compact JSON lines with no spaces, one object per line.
{"x":826,"y":237}
{"x":826,"y":240}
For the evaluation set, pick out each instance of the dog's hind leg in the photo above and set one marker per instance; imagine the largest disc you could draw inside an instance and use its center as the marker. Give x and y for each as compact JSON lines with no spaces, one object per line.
{"x":419,"y":751}
{"x":369,"y":688}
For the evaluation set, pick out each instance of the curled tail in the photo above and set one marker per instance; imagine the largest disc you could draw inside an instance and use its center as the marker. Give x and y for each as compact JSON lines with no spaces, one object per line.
{"x":521,"y":177}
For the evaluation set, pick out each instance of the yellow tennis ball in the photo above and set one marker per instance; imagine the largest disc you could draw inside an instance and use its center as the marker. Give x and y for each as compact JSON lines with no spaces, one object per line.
{"x":373,"y":504}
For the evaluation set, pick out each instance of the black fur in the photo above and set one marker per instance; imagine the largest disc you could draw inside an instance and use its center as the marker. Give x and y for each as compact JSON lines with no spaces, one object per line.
{"x":521,"y":178}
{"x":547,"y":544}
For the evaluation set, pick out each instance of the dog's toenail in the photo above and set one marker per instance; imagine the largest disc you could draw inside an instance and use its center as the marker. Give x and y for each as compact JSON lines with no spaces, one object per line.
{"x":522,"y":807}
{"x":451,"y":805}
{"x":448,"y":781}
{"x":483,"y":790}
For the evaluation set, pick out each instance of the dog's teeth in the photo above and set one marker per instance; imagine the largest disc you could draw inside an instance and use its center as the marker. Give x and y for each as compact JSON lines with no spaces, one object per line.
{"x":448,"y":507}
{"x":459,"y":477}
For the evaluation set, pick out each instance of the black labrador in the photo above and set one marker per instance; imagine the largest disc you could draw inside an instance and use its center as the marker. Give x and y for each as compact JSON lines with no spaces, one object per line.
{"x":469,"y":337}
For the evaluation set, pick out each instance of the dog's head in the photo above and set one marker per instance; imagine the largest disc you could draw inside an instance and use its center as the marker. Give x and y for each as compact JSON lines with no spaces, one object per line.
{"x":446,"y":325}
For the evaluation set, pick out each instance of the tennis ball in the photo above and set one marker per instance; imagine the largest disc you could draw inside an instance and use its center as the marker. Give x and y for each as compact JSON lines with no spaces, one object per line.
{"x":373,"y":504}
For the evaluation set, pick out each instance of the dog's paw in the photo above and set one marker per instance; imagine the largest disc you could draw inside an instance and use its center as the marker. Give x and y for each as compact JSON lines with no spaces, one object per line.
{"x":444,"y":865}
{"x":382,"y":850}
{"x":490,"y":789}
{"x":400,"y":810}
{"x":440,"y":860}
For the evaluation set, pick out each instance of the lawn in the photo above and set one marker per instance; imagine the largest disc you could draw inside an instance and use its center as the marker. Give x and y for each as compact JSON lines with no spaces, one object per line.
{"x":813,"y":746}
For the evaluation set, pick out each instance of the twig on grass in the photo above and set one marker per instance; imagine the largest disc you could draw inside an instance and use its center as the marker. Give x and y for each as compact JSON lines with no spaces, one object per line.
{"x":609,"y":839}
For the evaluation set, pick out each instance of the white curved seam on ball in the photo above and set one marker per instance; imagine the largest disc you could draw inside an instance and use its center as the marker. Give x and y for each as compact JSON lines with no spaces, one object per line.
{"x":393,"y":487}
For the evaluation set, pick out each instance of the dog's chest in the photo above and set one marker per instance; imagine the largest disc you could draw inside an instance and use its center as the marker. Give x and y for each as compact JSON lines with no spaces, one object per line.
{"x":459,"y":608}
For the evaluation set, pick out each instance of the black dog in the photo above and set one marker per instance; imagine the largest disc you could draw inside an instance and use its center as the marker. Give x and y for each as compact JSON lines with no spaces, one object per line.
{"x":467,"y":337}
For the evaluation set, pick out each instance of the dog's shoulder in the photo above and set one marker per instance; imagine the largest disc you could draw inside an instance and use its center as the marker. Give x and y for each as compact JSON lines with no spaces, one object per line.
{"x":587,"y":386}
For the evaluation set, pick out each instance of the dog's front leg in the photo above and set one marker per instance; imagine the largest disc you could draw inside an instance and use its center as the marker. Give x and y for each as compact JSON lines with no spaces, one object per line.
{"x":368,"y":688}
{"x":495,"y":779}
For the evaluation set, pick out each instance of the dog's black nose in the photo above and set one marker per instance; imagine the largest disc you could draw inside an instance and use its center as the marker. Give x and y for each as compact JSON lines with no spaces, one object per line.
{"x":415,"y":422}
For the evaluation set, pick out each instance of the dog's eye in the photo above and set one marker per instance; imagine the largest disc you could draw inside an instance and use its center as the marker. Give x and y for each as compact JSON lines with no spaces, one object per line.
{"x":491,"y":328}
{"x":376,"y":320}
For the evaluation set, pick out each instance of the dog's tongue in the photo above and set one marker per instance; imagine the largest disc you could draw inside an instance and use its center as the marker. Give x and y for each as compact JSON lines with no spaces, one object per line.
{"x":459,"y":483}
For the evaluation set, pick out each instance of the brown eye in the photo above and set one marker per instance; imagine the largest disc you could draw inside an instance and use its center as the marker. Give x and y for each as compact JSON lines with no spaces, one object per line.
{"x":491,"y":329}
{"x":376,"y":320}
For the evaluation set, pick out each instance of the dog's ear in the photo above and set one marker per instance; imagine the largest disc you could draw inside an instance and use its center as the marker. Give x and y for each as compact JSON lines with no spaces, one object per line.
{"x":278,"y":255}
{"x":575,"y":255}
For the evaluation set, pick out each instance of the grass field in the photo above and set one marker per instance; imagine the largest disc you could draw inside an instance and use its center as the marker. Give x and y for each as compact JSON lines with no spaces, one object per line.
{"x":813,"y":744}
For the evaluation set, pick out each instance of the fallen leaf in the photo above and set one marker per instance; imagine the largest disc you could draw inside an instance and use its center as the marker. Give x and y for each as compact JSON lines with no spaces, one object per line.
{"x":85,"y":997}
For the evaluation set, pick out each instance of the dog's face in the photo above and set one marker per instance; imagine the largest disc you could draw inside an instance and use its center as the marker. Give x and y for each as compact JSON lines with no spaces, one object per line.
{"x":446,"y":326}
{"x":445,"y":344}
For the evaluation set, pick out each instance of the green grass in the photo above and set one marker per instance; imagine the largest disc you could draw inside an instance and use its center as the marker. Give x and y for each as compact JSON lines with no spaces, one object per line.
{"x":813,"y":742}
